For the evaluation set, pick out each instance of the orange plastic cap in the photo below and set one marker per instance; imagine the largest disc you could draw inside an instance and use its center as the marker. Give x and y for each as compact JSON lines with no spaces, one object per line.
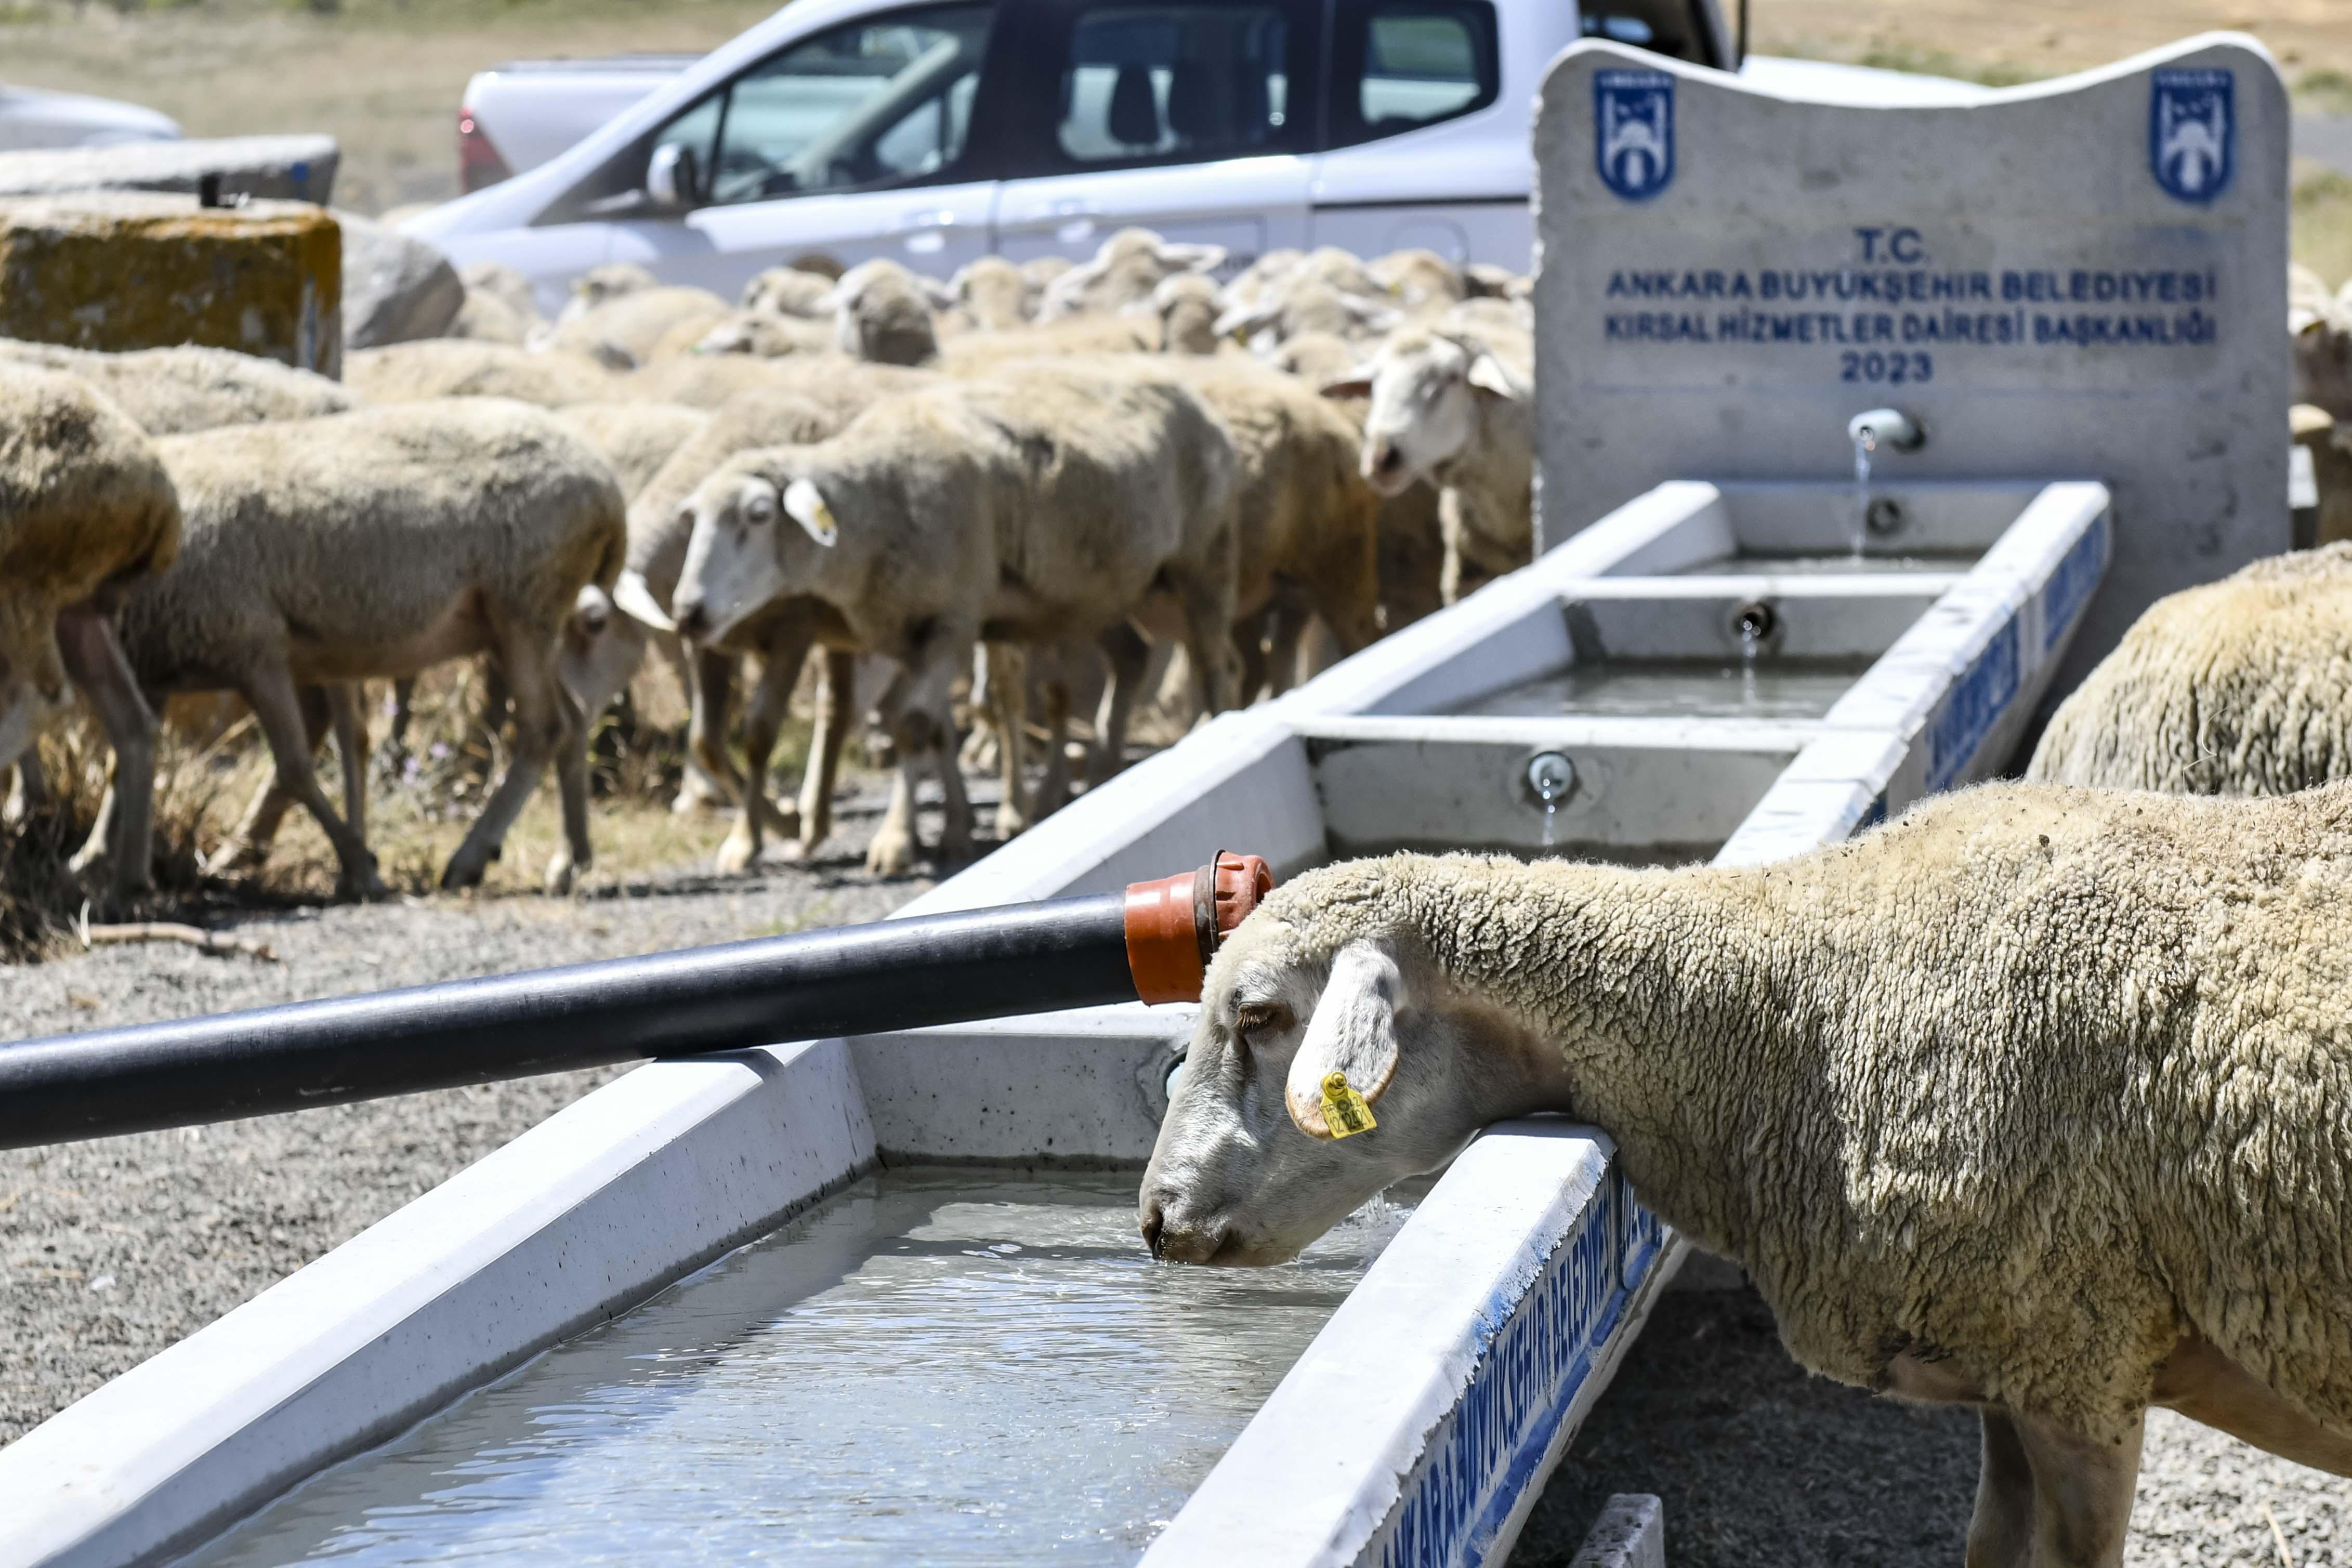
{"x":1175,"y":925}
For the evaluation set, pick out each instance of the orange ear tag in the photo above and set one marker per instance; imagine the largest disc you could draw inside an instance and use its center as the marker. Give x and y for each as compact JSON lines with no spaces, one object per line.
{"x":1344,"y":1110}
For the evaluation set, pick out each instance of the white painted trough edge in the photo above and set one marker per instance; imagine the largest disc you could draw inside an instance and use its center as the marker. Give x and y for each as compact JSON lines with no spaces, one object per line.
{"x":574,"y":1222}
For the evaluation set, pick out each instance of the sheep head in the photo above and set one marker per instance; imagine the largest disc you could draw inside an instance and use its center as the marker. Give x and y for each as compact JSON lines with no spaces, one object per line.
{"x":1294,"y":1031}
{"x":753,"y":523}
{"x":1424,"y":388}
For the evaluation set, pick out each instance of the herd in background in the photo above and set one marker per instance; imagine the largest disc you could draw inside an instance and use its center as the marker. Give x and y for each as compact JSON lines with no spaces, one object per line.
{"x":1093,"y":485}
{"x":1072,"y":488}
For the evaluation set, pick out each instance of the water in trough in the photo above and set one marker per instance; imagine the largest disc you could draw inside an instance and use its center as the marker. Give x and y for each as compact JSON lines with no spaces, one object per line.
{"x":952,"y":1367}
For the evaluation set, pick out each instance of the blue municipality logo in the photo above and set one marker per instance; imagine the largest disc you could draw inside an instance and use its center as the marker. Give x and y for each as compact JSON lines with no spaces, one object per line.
{"x":1634,"y":131}
{"x":2193,"y":132}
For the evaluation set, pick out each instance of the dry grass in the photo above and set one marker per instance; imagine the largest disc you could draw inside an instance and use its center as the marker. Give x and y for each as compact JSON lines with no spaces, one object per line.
{"x":383,"y":78}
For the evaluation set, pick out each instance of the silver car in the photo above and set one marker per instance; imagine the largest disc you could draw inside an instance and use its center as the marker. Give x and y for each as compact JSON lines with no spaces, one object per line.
{"x":31,"y":118}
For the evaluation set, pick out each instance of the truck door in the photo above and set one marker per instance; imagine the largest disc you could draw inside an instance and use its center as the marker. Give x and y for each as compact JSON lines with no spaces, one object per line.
{"x":851,"y":143}
{"x":1196,"y":118}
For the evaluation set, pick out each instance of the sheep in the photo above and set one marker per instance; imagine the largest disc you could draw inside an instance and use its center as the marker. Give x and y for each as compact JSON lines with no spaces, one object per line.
{"x":1046,"y":503}
{"x":170,"y":391}
{"x":375,"y":544}
{"x":1188,"y":305}
{"x":1071,"y":337}
{"x":445,"y":367}
{"x":485,"y":318}
{"x":636,"y":438}
{"x":995,"y":294}
{"x":1419,"y":279}
{"x":882,"y":313}
{"x":1268,"y":269}
{"x":2331,"y":470}
{"x":1124,"y":272}
{"x":86,"y":509}
{"x":1454,"y":411}
{"x":1302,"y":304}
{"x":602,"y":284}
{"x":709,"y":381}
{"x":660,"y":529}
{"x":637,"y":327}
{"x":1411,"y":536}
{"x":2237,"y":688}
{"x":2034,"y":1100}
{"x":788,"y":292}
{"x":1304,"y":519}
{"x":505,"y":285}
{"x":764,"y":334}
{"x":1488,"y":317}
{"x":1039,"y":271}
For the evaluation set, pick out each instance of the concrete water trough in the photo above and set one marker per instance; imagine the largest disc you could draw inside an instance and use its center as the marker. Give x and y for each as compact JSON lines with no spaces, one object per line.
{"x":884,"y":1295}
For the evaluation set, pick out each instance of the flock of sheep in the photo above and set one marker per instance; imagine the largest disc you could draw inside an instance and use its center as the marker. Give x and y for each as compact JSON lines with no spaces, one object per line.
{"x":1050,"y":479}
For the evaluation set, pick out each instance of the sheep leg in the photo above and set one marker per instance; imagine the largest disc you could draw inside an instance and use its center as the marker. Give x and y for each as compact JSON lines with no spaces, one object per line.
{"x":1249,"y":648}
{"x":2000,"y":1532}
{"x":249,"y":842}
{"x":713,"y":693}
{"x":543,"y":729}
{"x":29,"y":792}
{"x":1008,"y":705}
{"x":95,"y":661}
{"x":2207,"y":1387}
{"x":893,"y":849}
{"x":575,"y":854}
{"x":342,"y":699}
{"x":403,"y":700}
{"x":699,"y":790}
{"x":1130,"y":659}
{"x":2082,"y":1492}
{"x":281,"y":709}
{"x":836,"y":705}
{"x":1209,"y":644}
{"x":771,"y":698}
{"x":1054,"y":791}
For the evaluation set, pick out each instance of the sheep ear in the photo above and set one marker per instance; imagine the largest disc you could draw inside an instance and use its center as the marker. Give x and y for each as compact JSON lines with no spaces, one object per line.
{"x":1192,"y":258}
{"x":805,"y":502}
{"x":1244,"y":320}
{"x":634,"y":598}
{"x":943,"y":296}
{"x":1357,"y":382}
{"x":1352,"y":1033}
{"x":1489,"y":374}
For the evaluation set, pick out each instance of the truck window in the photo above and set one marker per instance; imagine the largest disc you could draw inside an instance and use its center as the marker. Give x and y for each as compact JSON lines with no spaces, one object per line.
{"x":1399,"y":65}
{"x":1673,"y":27}
{"x":1182,"y":83}
{"x":865,"y":106}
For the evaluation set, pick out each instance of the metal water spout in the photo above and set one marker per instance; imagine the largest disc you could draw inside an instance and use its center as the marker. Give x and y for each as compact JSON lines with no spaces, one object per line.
{"x":1888,"y":427}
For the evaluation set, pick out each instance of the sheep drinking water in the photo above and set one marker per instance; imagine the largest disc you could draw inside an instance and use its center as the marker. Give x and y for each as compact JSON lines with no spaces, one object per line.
{"x":2036,"y":1100}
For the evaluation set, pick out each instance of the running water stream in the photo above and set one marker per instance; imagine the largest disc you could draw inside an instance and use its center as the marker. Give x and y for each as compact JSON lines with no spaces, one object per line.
{"x":1864,"y":443}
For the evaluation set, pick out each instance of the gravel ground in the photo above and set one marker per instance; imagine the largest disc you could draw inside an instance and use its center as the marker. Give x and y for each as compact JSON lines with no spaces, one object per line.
{"x":114,"y":1249}
{"x":1757,"y":1462}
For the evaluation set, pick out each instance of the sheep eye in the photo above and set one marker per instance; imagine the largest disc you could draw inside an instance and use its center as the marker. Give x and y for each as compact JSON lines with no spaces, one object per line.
{"x":761,"y":509}
{"x":1262,"y":1017}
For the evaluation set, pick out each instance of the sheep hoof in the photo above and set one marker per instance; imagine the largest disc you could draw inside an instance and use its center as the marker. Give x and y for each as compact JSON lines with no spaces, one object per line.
{"x":368,"y":889}
{"x":231,"y":858}
{"x":798,"y":848}
{"x":1011,"y":823}
{"x":462,"y":874}
{"x":561,"y":871}
{"x":890,"y":854}
{"x":737,"y":856}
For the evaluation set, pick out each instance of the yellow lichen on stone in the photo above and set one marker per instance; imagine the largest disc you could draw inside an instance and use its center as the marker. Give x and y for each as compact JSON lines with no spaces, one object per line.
{"x":129,"y":271}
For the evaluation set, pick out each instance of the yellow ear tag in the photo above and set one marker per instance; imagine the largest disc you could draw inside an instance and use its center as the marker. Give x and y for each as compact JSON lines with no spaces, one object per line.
{"x":1344,"y":1110}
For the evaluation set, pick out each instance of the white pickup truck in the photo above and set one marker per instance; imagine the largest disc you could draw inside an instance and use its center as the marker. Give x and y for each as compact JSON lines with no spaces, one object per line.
{"x":940,"y":131}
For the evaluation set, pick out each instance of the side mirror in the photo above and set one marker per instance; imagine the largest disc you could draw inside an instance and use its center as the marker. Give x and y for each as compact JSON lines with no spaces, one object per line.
{"x":671,"y":178}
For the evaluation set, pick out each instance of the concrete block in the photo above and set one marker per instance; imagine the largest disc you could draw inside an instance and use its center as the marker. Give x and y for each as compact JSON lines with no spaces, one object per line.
{"x":120,"y":271}
{"x":2084,"y":278}
{"x":265,"y":168}
{"x":1630,"y":1533}
{"x":395,"y":289}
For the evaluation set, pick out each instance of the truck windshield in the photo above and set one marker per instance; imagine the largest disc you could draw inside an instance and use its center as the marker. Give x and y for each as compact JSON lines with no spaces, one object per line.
{"x":868,"y":104}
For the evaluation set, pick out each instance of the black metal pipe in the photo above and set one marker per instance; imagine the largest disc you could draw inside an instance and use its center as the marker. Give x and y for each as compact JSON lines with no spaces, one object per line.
{"x":860,"y":979}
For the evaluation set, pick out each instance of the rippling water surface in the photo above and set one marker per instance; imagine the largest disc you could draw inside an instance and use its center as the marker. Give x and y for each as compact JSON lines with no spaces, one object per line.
{"x":933,"y":1367}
